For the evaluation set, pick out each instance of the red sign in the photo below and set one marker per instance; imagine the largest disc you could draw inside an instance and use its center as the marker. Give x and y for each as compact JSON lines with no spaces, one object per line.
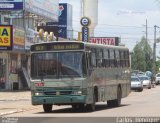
{"x":104,"y":40}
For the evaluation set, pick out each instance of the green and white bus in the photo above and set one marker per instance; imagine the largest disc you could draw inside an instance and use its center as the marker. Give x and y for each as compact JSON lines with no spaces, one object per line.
{"x":79,"y":74}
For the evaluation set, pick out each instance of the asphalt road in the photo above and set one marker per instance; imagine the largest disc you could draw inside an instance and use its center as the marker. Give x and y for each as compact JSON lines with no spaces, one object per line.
{"x":138,"y":104}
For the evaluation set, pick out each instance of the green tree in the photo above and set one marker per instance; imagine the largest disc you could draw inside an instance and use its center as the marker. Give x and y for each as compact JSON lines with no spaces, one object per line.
{"x":147,"y":52}
{"x":141,"y":57}
{"x":138,"y":58}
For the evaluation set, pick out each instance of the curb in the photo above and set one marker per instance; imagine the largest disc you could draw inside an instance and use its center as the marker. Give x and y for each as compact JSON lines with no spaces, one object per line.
{"x":10,"y":112}
{"x":15,"y":99}
{"x":16,"y":111}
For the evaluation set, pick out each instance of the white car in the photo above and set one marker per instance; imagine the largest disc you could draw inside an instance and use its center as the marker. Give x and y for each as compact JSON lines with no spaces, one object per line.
{"x":136,"y":84}
{"x":146,"y":81}
{"x":157,"y":78}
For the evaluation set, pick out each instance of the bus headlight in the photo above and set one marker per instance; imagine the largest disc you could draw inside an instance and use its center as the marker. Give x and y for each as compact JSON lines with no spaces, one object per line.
{"x":38,"y":93}
{"x":77,"y":92}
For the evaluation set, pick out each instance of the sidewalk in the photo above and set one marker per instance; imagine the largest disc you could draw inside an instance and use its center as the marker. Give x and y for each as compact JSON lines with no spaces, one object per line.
{"x":13,"y":102}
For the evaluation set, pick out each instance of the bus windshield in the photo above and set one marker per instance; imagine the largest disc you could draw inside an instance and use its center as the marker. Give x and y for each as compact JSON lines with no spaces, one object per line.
{"x":57,"y":65}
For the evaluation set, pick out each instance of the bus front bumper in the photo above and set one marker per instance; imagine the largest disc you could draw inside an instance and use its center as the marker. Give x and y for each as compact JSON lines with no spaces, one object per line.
{"x":59,"y":100}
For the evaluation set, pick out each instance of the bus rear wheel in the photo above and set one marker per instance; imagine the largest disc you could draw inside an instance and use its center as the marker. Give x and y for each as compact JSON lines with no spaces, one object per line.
{"x":116,"y":102}
{"x":47,"y":107}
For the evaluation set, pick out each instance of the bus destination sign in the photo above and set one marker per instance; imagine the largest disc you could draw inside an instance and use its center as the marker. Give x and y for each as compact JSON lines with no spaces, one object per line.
{"x":57,"y":46}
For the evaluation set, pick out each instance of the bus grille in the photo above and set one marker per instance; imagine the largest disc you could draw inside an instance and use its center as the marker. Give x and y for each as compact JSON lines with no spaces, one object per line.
{"x":58,"y":93}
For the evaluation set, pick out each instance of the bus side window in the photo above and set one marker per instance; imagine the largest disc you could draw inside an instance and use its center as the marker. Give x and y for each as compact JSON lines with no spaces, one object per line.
{"x":117,"y":52}
{"x":116,"y":58}
{"x":93,"y":58}
{"x":121,"y":58}
{"x":127,"y":58}
{"x":124,"y":63}
{"x":109,"y":64}
{"x":106,"y":58}
{"x":112,"y":58}
{"x":99,"y":58}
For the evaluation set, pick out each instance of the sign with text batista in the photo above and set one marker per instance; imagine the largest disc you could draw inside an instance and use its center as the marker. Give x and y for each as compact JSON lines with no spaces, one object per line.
{"x":105,"y":40}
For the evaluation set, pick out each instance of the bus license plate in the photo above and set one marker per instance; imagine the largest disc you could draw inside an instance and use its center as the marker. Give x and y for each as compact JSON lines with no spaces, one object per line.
{"x":57,"y":93}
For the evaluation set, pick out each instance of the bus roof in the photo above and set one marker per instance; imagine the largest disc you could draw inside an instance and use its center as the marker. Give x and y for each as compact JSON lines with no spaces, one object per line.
{"x":87,"y":44}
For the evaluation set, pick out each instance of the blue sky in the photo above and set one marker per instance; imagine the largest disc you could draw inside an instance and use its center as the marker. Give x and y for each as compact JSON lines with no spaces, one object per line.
{"x":123,"y":18}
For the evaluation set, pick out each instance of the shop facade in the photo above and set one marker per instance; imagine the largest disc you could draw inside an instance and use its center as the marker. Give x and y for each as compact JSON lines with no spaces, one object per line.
{"x":15,"y":47}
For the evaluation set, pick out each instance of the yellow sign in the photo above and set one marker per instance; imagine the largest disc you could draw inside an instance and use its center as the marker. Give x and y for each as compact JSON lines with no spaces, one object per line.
{"x":5,"y":36}
{"x":79,"y":36}
{"x":19,"y":36}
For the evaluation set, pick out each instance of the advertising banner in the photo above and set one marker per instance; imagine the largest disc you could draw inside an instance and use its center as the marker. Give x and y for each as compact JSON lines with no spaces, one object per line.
{"x":65,"y":21}
{"x":85,"y":34}
{"x":105,"y":40}
{"x":62,"y":20}
{"x":63,"y":14}
{"x":6,"y":37}
{"x":45,"y":8}
{"x":18,"y":39}
{"x":11,"y":5}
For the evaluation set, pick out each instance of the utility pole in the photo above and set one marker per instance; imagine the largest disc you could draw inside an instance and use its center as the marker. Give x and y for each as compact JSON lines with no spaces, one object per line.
{"x":154,"y":49}
{"x":146,"y":30}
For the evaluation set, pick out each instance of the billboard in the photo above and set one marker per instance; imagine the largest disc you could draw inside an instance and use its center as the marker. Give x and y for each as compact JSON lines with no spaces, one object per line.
{"x":6,"y":37}
{"x":62,"y":20}
{"x":18,"y":38}
{"x":105,"y":40}
{"x":45,"y":8}
{"x":11,"y":5}
{"x":65,"y":21}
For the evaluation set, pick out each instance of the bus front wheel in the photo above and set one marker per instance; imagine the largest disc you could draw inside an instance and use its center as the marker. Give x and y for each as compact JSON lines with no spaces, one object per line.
{"x":47,"y":107}
{"x":78,"y":106}
{"x":91,"y":107}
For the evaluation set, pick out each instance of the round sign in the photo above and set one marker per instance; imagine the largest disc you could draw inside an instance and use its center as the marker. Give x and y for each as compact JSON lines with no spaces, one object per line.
{"x":85,"y":21}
